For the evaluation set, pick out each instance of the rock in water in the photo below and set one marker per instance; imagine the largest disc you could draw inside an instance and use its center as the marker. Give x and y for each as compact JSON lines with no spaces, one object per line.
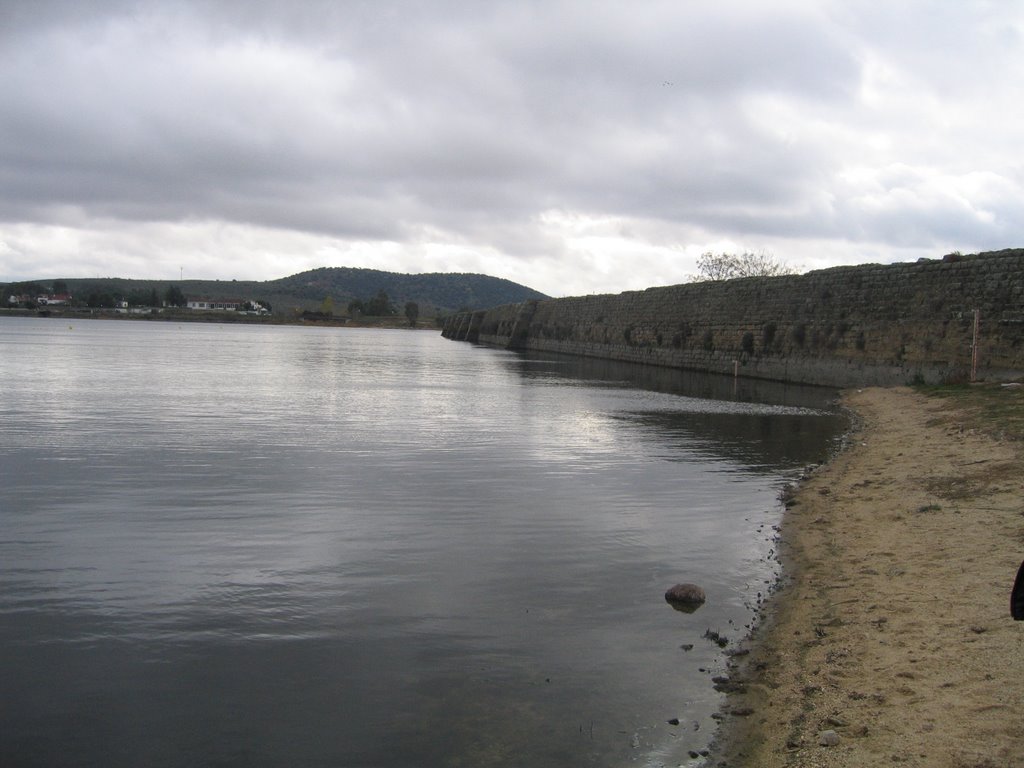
{"x":685,"y":597}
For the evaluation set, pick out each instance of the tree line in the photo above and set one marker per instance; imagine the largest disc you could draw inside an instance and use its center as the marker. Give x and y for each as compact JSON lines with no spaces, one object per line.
{"x":34,"y":290}
{"x":378,"y":306}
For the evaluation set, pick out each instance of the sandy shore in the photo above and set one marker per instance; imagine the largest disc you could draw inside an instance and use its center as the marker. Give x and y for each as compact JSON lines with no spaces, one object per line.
{"x":893,"y":628}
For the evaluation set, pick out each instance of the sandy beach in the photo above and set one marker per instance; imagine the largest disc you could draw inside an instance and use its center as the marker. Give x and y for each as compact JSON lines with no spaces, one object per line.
{"x":890,"y":641}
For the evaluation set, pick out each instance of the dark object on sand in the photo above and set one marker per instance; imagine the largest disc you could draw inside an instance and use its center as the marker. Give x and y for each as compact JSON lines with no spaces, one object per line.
{"x":685,"y":597}
{"x":1017,"y":596}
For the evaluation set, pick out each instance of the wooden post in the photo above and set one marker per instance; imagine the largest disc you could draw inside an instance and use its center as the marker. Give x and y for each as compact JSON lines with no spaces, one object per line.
{"x":974,"y":347}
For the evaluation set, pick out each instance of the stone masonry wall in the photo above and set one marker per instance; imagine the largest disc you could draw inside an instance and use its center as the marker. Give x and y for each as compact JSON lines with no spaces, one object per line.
{"x":846,"y":326}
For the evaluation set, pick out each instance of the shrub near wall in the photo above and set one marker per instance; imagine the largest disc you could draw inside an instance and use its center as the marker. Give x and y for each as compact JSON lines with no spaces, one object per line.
{"x":844,"y":326}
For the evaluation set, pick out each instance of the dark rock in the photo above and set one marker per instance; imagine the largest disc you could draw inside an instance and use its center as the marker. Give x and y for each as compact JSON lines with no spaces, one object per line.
{"x":724,"y":684}
{"x":685,"y":597}
{"x":717,"y":638}
{"x":1017,"y":596}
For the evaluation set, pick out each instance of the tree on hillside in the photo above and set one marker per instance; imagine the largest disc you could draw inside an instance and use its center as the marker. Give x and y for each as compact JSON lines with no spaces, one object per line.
{"x":99,"y":300}
{"x":356,"y":308}
{"x":327,"y":306}
{"x":175,"y":297}
{"x":379,"y":305}
{"x":728,"y":266}
{"x":59,"y":287}
{"x":28,"y":289}
{"x":412,"y":312}
{"x":143,"y":298}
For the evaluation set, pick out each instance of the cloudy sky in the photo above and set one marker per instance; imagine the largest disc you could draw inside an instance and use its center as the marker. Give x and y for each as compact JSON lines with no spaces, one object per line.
{"x":576,"y":146}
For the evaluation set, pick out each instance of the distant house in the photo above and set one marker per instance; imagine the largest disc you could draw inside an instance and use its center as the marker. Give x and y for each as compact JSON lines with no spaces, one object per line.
{"x":231,"y":305}
{"x":56,"y":299}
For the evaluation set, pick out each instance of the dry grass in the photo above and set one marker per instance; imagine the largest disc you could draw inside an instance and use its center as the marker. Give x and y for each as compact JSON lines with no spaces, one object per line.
{"x":996,"y":410}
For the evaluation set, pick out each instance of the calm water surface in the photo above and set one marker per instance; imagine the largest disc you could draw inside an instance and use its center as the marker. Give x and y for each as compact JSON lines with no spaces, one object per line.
{"x":279,"y":546}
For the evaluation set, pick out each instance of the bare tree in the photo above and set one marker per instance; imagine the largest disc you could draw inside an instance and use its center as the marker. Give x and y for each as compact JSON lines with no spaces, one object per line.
{"x":727,"y":266}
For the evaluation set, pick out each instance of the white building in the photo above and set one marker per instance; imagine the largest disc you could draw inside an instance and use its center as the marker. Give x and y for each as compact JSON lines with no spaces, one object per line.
{"x":231,"y":305}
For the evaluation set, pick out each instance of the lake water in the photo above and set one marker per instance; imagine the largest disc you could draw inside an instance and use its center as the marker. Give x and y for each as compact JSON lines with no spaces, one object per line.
{"x":236,"y":545}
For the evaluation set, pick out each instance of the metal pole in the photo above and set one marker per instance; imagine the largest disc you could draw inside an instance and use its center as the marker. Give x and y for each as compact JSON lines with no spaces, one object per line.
{"x":974,"y":347}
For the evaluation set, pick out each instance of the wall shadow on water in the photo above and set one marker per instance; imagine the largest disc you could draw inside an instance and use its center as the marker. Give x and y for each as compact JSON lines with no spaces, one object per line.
{"x":765,"y":425}
{"x":758,"y":442}
{"x":709,"y":386}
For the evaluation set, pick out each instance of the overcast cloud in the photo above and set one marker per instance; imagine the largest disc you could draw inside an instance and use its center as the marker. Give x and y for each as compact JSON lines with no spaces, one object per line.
{"x":575,"y":146}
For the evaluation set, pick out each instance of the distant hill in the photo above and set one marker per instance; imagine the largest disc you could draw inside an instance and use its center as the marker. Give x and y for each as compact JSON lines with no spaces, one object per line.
{"x":436,"y":293}
{"x":446,"y":292}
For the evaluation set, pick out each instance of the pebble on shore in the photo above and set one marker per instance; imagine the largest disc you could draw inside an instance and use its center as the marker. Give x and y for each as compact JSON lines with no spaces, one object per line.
{"x":828,"y":738}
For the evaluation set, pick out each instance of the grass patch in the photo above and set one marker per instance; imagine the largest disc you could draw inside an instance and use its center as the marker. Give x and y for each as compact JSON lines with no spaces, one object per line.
{"x":994,"y":409}
{"x":971,"y":482}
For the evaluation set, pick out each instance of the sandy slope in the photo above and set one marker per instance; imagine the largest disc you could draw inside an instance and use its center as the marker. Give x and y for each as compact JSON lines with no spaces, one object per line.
{"x":894,"y":629}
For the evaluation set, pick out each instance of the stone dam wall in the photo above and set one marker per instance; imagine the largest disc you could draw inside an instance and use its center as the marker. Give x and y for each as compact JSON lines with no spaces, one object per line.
{"x":841,"y":327}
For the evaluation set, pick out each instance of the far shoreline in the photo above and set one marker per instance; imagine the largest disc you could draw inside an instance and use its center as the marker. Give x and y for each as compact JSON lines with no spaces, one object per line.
{"x":230,"y":318}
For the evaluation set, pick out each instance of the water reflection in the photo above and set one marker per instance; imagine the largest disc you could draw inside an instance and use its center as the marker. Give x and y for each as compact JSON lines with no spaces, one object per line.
{"x":694,"y":384}
{"x":761,"y":425}
{"x":286,"y":546}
